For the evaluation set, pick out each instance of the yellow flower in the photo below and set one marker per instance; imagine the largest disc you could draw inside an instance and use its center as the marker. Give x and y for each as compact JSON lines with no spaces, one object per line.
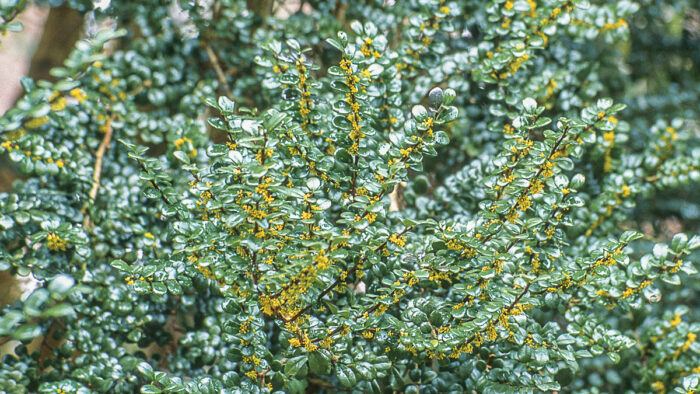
{"x":625,"y":190}
{"x":609,"y":136}
{"x":547,"y":169}
{"x":37,"y":122}
{"x":8,"y":145}
{"x":524,"y":203}
{"x":397,"y":240}
{"x":59,"y":104}
{"x":676,"y":320}
{"x":56,"y":244}
{"x":78,"y":94}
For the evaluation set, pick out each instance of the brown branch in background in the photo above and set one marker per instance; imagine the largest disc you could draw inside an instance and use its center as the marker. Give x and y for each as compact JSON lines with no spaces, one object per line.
{"x":97,"y":173}
{"x":340,"y":10}
{"x":219,"y":71}
{"x":397,"y":201}
{"x":261,"y":7}
{"x":5,"y":340}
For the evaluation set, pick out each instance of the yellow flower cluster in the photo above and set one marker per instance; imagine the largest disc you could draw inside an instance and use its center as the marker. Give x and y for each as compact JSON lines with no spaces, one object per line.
{"x":351,"y":81}
{"x":524,"y":203}
{"x":305,"y":102}
{"x":58,"y":103}
{"x":8,"y":145}
{"x":78,"y":94}
{"x":286,"y":301}
{"x":181,"y":141}
{"x":613,"y":26}
{"x":305,"y":342}
{"x":397,"y":240}
{"x":547,"y":169}
{"x":245,"y":326}
{"x":457,"y":351}
{"x":253,"y":212}
{"x":205,"y":271}
{"x":56,"y":243}
{"x":630,"y":291}
{"x":37,"y":122}
{"x":252,"y":360}
{"x":685,"y":346}
{"x":280,"y":69}
{"x":370,"y":216}
{"x":367,"y":50}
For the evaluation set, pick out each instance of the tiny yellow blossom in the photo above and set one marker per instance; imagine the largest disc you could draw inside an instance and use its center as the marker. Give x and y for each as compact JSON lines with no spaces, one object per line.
{"x":56,"y":243}
{"x":79,"y":94}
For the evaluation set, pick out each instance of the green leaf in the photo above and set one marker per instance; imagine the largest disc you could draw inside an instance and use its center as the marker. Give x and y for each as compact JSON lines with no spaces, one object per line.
{"x":614,"y":357}
{"x":60,"y":285}
{"x":8,"y":321}
{"x":448,"y":114}
{"x":294,"y":364}
{"x":435,"y":98}
{"x":319,"y":362}
{"x":121,"y":266}
{"x":145,"y":369}
{"x":420,"y":113}
{"x":345,"y":375}
{"x":150,"y":389}
{"x":541,"y":355}
{"x":530,"y":105}
{"x":442,"y":138}
{"x":226,"y":105}
{"x":182,"y":156}
{"x":629,"y":236}
{"x":59,"y":310}
{"x":27,"y":332}
{"x":335,"y":44}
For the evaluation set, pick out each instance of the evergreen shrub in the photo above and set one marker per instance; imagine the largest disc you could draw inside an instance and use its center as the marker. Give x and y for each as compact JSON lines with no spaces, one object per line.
{"x":367,"y":196}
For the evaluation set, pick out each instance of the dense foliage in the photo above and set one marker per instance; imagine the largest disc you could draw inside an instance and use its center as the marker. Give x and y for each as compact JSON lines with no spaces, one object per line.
{"x":421,"y":195}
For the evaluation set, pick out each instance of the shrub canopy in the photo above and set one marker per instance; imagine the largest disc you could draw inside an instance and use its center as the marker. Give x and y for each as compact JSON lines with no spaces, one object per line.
{"x":433,"y":196}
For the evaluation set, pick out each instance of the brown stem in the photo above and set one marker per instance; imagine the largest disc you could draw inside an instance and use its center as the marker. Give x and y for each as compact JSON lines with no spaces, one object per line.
{"x":338,"y":279}
{"x":219,"y":71}
{"x":97,"y":172}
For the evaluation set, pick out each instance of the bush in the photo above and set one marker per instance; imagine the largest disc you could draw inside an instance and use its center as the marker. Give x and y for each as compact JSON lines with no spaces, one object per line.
{"x":425,"y":195}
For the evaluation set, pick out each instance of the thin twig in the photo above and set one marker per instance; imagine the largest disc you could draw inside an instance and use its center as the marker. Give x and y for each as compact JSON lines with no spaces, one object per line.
{"x":97,"y":173}
{"x":219,"y":71}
